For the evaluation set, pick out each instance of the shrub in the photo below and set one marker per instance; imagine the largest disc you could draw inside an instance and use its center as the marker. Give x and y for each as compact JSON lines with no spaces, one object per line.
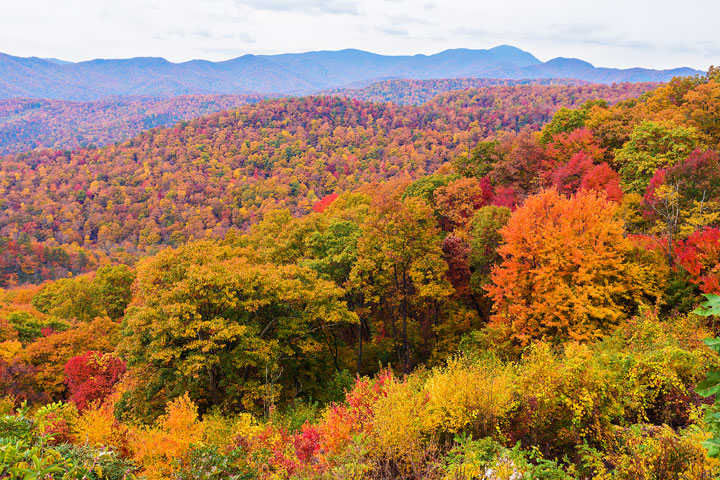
{"x":468,"y":397}
{"x":163,"y":449}
{"x":97,"y":427}
{"x":485,"y":458}
{"x":397,"y":430}
{"x":658,"y":452}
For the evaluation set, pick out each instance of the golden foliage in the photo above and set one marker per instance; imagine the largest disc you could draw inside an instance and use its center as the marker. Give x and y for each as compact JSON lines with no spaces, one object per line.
{"x":161,"y":450}
{"x":468,"y":396}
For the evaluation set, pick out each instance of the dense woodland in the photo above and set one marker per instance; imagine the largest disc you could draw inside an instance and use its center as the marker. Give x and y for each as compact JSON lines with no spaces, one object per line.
{"x":224,"y":172}
{"x":27,"y":124}
{"x":335,"y":289}
{"x":417,"y":92}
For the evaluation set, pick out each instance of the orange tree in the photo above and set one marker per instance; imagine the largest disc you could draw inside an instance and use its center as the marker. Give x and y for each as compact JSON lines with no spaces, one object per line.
{"x":567,"y":271}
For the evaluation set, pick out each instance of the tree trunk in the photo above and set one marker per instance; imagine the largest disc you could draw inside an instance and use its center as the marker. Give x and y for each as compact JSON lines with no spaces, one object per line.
{"x":213,"y":386}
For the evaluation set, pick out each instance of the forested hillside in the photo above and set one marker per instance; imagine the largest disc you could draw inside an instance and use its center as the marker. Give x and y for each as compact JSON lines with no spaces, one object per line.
{"x":222,"y":172}
{"x":26,"y":124}
{"x":464,"y":290}
{"x":417,"y":92}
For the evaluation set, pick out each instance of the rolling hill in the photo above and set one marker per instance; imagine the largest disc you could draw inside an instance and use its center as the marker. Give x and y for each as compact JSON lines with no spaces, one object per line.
{"x":301,"y":73}
{"x":26,"y":124}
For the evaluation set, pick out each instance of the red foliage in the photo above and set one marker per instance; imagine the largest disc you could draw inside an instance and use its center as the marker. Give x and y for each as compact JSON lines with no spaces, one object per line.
{"x":700,"y":256}
{"x":567,"y":177}
{"x":307,"y":443}
{"x":59,"y":430}
{"x":565,"y":146}
{"x":697,"y":178}
{"x":656,"y":181}
{"x":457,"y":202}
{"x":325,"y":202}
{"x":91,"y":377}
{"x":355,"y":415}
{"x":505,"y":197}
{"x":602,"y":178}
{"x":275,"y":442}
{"x":32,"y":262}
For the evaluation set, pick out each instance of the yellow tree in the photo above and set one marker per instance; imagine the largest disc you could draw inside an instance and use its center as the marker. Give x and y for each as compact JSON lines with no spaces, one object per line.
{"x":209,"y":321}
{"x":400,"y":269}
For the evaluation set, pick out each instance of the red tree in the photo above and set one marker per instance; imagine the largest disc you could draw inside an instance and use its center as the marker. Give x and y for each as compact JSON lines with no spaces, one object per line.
{"x":602,"y":178}
{"x":325,"y":202}
{"x":700,"y":256}
{"x":91,"y":377}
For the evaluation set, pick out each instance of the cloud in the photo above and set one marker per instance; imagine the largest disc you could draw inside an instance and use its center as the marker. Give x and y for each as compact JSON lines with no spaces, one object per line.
{"x":397,"y":20}
{"x":178,"y":33}
{"x":593,"y":34}
{"x":335,"y":7}
{"x":227,"y":51}
{"x":397,"y":25}
{"x":708,"y":49}
{"x":392,"y":30}
{"x":472,"y":32}
{"x":582,"y":34}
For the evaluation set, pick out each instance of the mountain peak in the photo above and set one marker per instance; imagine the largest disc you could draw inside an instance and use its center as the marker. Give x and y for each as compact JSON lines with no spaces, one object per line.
{"x":517,"y":54}
{"x":565,"y":62}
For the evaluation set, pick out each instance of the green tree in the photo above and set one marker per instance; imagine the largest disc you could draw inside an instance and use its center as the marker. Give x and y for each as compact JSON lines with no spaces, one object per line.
{"x":112,"y":284}
{"x":566,"y":120}
{"x":70,"y":298}
{"x":485,"y":239}
{"x":481,"y":160}
{"x":653,"y":145}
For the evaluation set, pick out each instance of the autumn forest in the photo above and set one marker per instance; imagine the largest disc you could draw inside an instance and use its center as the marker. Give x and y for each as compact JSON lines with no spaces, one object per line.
{"x":408,"y":280}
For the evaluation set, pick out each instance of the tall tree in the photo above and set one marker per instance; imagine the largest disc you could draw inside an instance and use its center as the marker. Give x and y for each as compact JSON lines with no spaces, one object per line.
{"x":400,"y":268}
{"x":684,"y":198}
{"x":653,"y":145}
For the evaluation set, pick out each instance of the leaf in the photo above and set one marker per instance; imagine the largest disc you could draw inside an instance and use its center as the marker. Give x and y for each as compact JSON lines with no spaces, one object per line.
{"x":709,"y":386}
{"x":713,"y":447}
{"x":711,"y":307}
{"x":713,"y":343}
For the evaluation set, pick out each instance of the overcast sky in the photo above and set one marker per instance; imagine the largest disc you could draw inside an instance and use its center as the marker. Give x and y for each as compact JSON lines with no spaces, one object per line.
{"x":608,"y":33}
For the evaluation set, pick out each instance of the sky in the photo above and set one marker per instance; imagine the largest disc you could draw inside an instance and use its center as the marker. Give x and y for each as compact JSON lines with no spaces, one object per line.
{"x":607,"y":33}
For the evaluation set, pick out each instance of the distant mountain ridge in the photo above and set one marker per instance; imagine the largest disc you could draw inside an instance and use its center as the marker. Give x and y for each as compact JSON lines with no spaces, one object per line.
{"x":296,"y":73}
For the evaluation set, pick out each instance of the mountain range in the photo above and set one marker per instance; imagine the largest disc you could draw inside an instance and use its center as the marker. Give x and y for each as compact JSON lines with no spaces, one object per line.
{"x":294,"y":74}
